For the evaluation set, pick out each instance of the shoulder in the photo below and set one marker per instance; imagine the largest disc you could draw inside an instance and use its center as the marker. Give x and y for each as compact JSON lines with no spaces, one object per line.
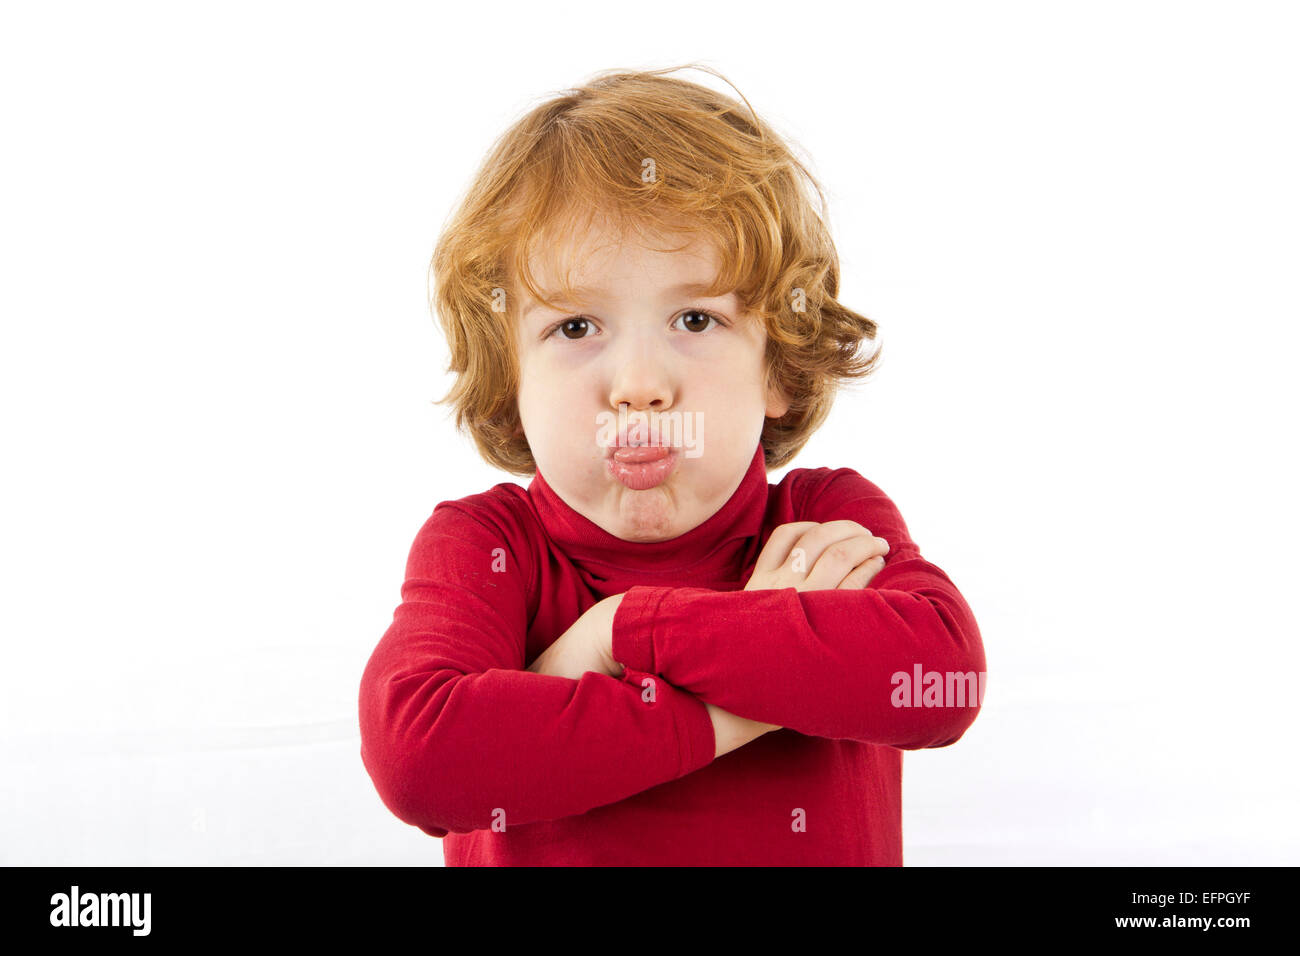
{"x":811,"y":489}
{"x":503,"y":510}
{"x":498,"y":522}
{"x":830,"y":494}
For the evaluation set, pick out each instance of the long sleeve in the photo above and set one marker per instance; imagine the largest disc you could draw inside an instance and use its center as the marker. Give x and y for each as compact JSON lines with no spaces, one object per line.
{"x":823,"y":663}
{"x":457,"y":736}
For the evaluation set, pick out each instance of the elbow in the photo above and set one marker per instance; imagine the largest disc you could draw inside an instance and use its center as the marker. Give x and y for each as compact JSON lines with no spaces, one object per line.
{"x":926,"y":727}
{"x":951,"y":728}
{"x":405,"y":786}
{"x":938,"y":700}
{"x":939,"y":711}
{"x":406,"y":756}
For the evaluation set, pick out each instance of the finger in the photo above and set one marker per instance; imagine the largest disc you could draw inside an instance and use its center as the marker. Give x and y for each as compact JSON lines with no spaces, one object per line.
{"x":828,"y":534}
{"x":820,"y":536}
{"x":839,"y":558}
{"x":810,"y":538}
{"x":841,"y":527}
{"x":779,"y":542}
{"x":862,"y":575}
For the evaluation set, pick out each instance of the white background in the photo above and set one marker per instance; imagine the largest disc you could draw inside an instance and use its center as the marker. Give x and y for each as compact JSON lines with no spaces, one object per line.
{"x":1075,"y":223}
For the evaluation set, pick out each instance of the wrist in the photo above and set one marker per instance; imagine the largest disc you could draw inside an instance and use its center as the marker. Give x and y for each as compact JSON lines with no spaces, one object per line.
{"x":609,"y":610}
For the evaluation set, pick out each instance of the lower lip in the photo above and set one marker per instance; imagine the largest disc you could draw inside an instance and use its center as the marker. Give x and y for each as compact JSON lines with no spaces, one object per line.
{"x":642,"y":474}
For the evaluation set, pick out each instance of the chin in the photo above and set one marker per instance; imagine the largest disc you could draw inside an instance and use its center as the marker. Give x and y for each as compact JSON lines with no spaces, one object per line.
{"x":645,"y":516}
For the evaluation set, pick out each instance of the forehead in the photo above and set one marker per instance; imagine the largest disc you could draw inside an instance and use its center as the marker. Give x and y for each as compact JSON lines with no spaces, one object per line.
{"x":596,"y":260}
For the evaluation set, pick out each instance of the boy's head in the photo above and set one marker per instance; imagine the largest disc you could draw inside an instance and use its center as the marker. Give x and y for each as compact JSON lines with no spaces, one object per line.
{"x":640,"y":261}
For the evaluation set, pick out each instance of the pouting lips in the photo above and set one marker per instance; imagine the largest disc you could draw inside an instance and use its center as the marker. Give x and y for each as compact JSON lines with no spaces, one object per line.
{"x":658,"y":463}
{"x":642,"y":453}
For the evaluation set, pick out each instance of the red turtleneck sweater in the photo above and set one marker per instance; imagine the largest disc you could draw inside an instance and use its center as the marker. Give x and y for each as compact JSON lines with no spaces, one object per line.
{"x":512,"y":767}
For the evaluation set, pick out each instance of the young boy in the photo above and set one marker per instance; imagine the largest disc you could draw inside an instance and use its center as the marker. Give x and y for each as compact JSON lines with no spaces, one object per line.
{"x":650,"y":655}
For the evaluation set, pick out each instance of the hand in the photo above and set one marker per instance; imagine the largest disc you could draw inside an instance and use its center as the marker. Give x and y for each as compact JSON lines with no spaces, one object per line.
{"x":588,"y":645}
{"x":812,"y":556}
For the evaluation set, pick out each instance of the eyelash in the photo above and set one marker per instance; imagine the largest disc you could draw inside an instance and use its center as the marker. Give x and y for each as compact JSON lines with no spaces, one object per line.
{"x":574,"y":318}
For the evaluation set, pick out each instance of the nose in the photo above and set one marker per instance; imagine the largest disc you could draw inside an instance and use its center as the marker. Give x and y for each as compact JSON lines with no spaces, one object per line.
{"x":642,"y":376}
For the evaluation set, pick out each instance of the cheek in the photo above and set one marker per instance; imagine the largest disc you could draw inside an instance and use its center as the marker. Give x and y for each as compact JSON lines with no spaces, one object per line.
{"x":546,"y":410}
{"x":536,"y":380}
{"x":524,"y":397}
{"x":732,"y":387}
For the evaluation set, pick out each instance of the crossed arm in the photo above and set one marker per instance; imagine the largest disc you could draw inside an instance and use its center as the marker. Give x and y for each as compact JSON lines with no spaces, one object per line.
{"x":806,"y":556}
{"x":455,"y":731}
{"x":457,"y":736}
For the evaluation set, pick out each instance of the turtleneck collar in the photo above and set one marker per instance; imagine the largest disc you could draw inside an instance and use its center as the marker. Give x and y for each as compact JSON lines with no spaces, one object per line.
{"x":712,"y":554}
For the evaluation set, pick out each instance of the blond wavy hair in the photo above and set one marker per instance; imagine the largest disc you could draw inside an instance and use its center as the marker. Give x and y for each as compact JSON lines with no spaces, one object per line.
{"x":655,"y":154}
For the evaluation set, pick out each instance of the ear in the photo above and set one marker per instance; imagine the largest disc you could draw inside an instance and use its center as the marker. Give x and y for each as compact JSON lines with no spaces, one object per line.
{"x":777,"y":403}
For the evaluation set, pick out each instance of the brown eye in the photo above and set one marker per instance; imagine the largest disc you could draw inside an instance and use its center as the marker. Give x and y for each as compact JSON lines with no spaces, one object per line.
{"x":696,"y":321}
{"x":574,"y":328}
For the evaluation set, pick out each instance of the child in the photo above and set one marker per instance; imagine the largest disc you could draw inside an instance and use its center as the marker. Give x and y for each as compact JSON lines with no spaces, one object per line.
{"x":650,"y":655}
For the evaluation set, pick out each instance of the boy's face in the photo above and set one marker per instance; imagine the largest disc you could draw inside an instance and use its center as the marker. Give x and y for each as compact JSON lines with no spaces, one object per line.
{"x":638,"y":342}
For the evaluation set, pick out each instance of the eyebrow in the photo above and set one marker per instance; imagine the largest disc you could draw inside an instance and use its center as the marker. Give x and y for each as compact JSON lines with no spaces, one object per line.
{"x":584,"y":293}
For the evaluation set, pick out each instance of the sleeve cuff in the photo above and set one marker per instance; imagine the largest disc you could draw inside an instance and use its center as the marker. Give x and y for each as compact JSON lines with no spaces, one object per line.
{"x":696,"y":742}
{"x":633,"y":642}
{"x":695,"y":732}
